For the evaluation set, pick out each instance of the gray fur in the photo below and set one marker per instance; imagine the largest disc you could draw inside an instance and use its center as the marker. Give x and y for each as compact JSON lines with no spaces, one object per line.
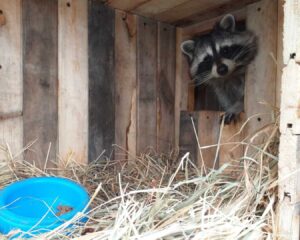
{"x":213,"y":64}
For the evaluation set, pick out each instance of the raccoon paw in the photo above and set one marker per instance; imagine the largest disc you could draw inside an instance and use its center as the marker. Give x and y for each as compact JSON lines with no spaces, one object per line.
{"x":228,"y":118}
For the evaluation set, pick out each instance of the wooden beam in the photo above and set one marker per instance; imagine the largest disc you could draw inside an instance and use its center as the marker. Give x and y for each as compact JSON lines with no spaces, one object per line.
{"x":154,"y":7}
{"x":73,"y":79}
{"x":11,"y":91}
{"x":166,"y":88}
{"x":40,"y":74}
{"x":101,"y":24}
{"x":215,"y":11}
{"x":187,"y":9}
{"x":125,"y":5}
{"x":146,"y":86}
{"x":125,"y":80}
{"x":207,"y":25}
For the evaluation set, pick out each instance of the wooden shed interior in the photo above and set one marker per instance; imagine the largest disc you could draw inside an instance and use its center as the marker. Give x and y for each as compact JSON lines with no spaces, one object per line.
{"x":83,"y":76}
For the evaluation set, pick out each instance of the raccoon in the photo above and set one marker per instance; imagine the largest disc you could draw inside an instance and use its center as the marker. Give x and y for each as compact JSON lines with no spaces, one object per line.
{"x":219,"y":59}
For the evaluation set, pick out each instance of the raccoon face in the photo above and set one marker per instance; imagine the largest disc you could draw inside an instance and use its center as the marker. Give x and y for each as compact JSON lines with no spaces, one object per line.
{"x":221,"y":52}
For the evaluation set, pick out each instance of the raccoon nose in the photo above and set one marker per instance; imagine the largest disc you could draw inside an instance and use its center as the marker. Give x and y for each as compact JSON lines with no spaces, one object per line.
{"x":222,"y":69}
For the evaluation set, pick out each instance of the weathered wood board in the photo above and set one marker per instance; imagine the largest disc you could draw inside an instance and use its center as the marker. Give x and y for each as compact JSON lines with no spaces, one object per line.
{"x":146,"y":84}
{"x":188,"y":134}
{"x":73,"y":79}
{"x":40,"y":79}
{"x":208,"y":134}
{"x":125,"y":80}
{"x":11,"y":91}
{"x":260,"y":89}
{"x":101,"y":25}
{"x":166,"y":88}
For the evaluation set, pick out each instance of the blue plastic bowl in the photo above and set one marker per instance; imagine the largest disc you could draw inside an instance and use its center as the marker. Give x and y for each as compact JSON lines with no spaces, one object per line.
{"x":37,"y":204}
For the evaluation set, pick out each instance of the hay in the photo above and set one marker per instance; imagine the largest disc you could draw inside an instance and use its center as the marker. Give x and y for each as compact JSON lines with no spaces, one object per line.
{"x":167,"y":197}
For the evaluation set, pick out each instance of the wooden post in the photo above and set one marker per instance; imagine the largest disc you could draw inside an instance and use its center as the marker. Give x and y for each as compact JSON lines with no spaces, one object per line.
{"x":11,"y":91}
{"x":73,"y":79}
{"x":289,"y":151}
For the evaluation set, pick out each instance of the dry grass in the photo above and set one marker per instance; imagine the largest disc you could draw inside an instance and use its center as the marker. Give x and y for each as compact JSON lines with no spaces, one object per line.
{"x":167,"y":197}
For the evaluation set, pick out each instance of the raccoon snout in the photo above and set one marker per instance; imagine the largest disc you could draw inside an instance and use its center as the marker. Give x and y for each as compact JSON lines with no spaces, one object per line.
{"x":222,"y":69}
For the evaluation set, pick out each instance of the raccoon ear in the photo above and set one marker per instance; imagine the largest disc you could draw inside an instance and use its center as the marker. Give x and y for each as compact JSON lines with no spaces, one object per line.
{"x":227,"y":23}
{"x":187,"y":47}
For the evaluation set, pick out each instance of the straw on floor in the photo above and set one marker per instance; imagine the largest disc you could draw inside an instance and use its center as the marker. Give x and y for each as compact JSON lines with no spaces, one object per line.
{"x":168,"y":197}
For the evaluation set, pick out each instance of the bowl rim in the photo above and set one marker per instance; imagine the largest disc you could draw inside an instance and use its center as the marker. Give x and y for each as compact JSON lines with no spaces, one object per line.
{"x":10,"y":216}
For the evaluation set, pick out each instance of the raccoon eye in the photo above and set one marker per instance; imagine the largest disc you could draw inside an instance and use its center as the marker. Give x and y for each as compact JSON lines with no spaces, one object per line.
{"x":225,"y":51}
{"x":207,"y":58}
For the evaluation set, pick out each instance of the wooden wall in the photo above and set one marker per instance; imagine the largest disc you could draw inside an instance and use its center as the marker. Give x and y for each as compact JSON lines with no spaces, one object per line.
{"x":81,"y":77}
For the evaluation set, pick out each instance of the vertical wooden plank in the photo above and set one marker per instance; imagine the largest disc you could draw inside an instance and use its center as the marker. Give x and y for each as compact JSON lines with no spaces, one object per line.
{"x":101,"y":23}
{"x":183,"y":89}
{"x":187,"y":137}
{"x":73,"y":79}
{"x":40,"y":76}
{"x":166,"y":88}
{"x":261,"y":74}
{"x":125,"y":79}
{"x":208,"y":134}
{"x":179,"y":90}
{"x":279,"y":52}
{"x":11,"y":91}
{"x":146,"y":85}
{"x":229,"y":152}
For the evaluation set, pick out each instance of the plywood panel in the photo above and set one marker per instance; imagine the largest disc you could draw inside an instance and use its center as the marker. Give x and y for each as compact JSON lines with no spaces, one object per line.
{"x":125,"y":79}
{"x":40,"y":79}
{"x":146,"y":88}
{"x":166,"y":88}
{"x":11,"y":91}
{"x":73,"y":79}
{"x":261,"y":74}
{"x":101,"y":23}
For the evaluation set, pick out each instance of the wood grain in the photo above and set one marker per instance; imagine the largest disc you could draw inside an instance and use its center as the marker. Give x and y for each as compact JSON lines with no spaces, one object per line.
{"x":261,"y":73}
{"x":146,"y":86}
{"x":187,"y":137}
{"x":40,"y":74}
{"x":73,"y":79}
{"x":126,"y":5}
{"x":218,"y":10}
{"x":154,"y":7}
{"x":166,"y":88}
{"x":231,"y":150}
{"x":11,"y":91}
{"x":125,"y":80}
{"x":279,"y":56}
{"x":179,"y":91}
{"x":208,"y":134}
{"x":101,"y":24}
{"x":188,"y":9}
